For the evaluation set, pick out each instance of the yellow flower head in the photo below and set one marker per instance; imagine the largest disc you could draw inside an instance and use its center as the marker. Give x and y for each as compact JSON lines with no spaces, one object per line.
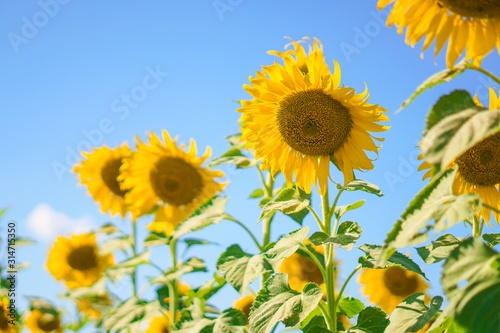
{"x":77,"y":260}
{"x":163,"y":175}
{"x":159,"y":324}
{"x":244,"y":304}
{"x":473,"y":25}
{"x":388,"y":287}
{"x":5,"y":317}
{"x":43,"y":322}
{"x":99,"y":171}
{"x":479,"y":169}
{"x":301,"y":270}
{"x":93,"y":307}
{"x":301,"y":118}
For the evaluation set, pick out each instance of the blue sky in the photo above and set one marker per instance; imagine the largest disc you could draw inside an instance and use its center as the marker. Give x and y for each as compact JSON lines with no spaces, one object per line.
{"x":75,"y":75}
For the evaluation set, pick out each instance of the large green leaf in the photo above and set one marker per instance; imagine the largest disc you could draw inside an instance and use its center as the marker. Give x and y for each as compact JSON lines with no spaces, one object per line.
{"x":240,"y":268}
{"x":457,"y":133}
{"x":439,"y":249}
{"x":446,"y":105}
{"x":370,"y":320}
{"x":289,"y":201}
{"x":211,"y":213}
{"x":443,"y":76}
{"x":128,"y":312}
{"x":412,"y":314}
{"x":230,"y":321}
{"x":286,"y":246}
{"x":348,"y":233}
{"x":492,"y":239}
{"x":277,"y":302}
{"x":437,"y":202}
{"x":350,"y":306}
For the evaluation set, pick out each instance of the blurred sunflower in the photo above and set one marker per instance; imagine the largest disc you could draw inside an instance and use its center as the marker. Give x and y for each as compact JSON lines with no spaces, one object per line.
{"x":473,"y":25}
{"x":43,"y":322}
{"x":300,"y":119}
{"x":77,"y":260}
{"x":5,"y":326}
{"x":301,"y":269}
{"x":479,"y":169}
{"x":94,"y":306}
{"x":162,"y":175}
{"x":159,"y":324}
{"x":99,"y":172}
{"x":388,"y":287}
{"x":244,"y":304}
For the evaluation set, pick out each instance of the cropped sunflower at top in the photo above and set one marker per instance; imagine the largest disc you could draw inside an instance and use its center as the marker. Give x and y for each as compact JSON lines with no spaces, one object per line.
{"x":163,"y":175}
{"x":77,"y":261}
{"x":99,"y":172}
{"x":388,"y":287}
{"x":479,"y":169}
{"x":473,"y":25}
{"x":301,"y":118}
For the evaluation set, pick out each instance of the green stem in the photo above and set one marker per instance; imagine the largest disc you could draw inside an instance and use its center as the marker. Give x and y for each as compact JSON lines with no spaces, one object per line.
{"x":133,"y":241}
{"x":314,"y":258}
{"x":173,"y":287}
{"x":325,"y":207}
{"x":485,"y":72}
{"x":316,"y":217}
{"x":476,"y":226}
{"x":324,"y":311}
{"x":332,"y":210}
{"x":249,"y":232}
{"x":268,"y":184}
{"x":341,"y":292}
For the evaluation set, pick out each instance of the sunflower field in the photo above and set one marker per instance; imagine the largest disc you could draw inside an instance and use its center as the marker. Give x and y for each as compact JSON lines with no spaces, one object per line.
{"x":305,"y":249}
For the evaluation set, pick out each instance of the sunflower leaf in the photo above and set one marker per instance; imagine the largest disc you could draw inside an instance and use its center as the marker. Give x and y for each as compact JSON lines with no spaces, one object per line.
{"x":446,"y":105}
{"x":439,"y":249}
{"x":230,"y":321}
{"x":211,"y":213}
{"x":191,"y":265}
{"x":434,"y":202}
{"x":341,"y":210}
{"x":234,"y":156}
{"x":437,"y":78}
{"x":457,"y":133}
{"x":362,"y":185}
{"x":117,"y":271}
{"x":471,"y":282}
{"x":289,"y":201}
{"x":277,"y":302}
{"x":286,"y":246}
{"x":491,"y":239}
{"x":412,"y":314}
{"x":257,"y":193}
{"x":370,"y":320}
{"x":208,"y":289}
{"x":129,"y":311}
{"x":348,"y":233}
{"x":240,"y":268}
{"x":373,"y":253}
{"x":156,"y":238}
{"x":350,"y":306}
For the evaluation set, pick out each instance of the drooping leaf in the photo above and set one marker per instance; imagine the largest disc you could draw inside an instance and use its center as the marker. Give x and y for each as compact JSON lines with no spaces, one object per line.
{"x":240,"y":268}
{"x":277,"y":302}
{"x":412,"y":314}
{"x":439,"y":249}
{"x":289,"y":201}
{"x":348,"y":233}
{"x":190,"y":242}
{"x":445,"y":75}
{"x":370,"y":320}
{"x":286,"y":246}
{"x":491,"y":239}
{"x":373,"y":253}
{"x":211,"y":213}
{"x":362,"y":185}
{"x":156,"y":238}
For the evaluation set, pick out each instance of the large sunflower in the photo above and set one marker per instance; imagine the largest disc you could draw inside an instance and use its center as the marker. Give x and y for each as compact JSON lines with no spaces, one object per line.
{"x":300,"y":118}
{"x":77,"y":260}
{"x":6,"y":320}
{"x":159,"y":324}
{"x":388,"y":287}
{"x":479,"y":169}
{"x":99,"y":171}
{"x":473,"y":25}
{"x":43,"y":322}
{"x":163,"y":175}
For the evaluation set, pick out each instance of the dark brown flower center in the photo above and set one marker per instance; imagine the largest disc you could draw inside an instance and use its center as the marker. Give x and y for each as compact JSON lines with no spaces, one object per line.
{"x":109,"y":174}
{"x":473,"y":8}
{"x":83,"y":258}
{"x":4,"y":322}
{"x":480,"y":165}
{"x":308,"y":270}
{"x":175,"y":181}
{"x":313,"y":122}
{"x":398,"y":283}
{"x":48,"y":322}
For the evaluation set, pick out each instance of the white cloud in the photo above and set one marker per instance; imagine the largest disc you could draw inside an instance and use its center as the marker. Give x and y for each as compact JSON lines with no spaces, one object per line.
{"x":45,"y":223}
